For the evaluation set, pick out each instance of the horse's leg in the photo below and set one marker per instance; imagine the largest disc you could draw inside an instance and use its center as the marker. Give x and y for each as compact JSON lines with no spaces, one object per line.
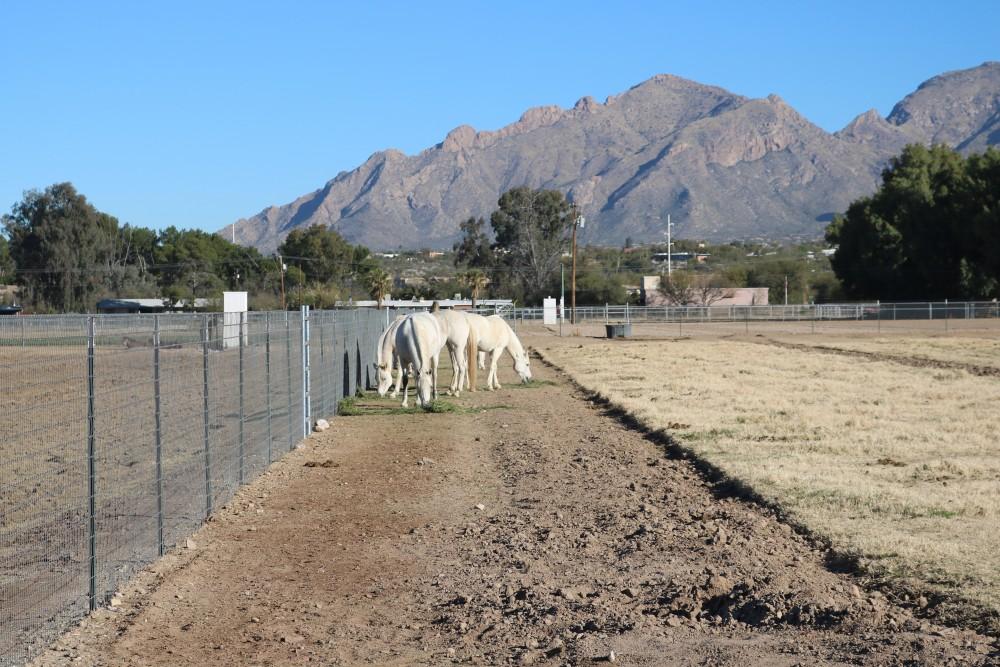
{"x":397,"y":367}
{"x":461,"y":370}
{"x":434,"y":373}
{"x":494,"y":382}
{"x":455,"y":370}
{"x":496,"y":368}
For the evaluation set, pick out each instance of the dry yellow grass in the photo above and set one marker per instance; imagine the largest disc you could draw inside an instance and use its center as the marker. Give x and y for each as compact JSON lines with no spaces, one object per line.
{"x":962,"y":350}
{"x":897,"y":464}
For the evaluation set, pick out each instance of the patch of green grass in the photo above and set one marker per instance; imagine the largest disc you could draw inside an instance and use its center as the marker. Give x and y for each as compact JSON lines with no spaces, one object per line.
{"x":352,"y":406}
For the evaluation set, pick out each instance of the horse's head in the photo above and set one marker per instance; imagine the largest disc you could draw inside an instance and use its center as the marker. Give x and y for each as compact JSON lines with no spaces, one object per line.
{"x":523,"y":367}
{"x":425,"y":387}
{"x":384,"y":374}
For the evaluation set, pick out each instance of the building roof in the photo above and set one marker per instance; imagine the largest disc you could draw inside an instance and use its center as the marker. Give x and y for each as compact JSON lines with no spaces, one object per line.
{"x":148,"y":304}
{"x":426,"y":303}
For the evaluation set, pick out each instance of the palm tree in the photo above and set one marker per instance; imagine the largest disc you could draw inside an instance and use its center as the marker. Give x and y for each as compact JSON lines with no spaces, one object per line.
{"x":379,"y":285}
{"x":477,"y":281}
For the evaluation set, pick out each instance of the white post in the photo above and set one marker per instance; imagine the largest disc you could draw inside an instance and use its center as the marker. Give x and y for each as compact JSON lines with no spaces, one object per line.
{"x":670,"y":247}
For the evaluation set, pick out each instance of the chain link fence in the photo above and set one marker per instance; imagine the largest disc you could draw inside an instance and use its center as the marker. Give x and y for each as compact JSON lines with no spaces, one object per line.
{"x":122,"y":433}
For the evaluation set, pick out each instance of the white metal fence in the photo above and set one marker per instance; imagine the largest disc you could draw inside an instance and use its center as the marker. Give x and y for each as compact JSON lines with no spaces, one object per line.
{"x":808,"y":318}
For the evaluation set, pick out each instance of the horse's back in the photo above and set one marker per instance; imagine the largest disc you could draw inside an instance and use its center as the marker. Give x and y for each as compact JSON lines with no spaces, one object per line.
{"x":418,"y":335}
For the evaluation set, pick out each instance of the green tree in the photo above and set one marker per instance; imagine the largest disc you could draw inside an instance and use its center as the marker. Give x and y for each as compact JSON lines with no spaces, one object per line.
{"x":476,"y":281}
{"x":531,"y":229}
{"x":473,"y":249}
{"x":379,"y":285}
{"x":594,"y":287}
{"x":6,"y":262}
{"x":62,"y":245}
{"x":929,"y":232}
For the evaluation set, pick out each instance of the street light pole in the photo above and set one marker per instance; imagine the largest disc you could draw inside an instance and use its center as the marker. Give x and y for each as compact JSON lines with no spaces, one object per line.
{"x":670,"y":247}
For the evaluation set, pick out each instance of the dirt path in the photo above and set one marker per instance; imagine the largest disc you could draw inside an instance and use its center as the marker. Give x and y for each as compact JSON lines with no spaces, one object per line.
{"x":537,"y":531}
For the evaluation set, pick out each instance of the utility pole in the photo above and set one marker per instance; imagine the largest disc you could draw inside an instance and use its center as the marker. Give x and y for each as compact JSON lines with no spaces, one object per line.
{"x":281,"y":269}
{"x":786,"y":290}
{"x":670,"y":247}
{"x":578,"y":220}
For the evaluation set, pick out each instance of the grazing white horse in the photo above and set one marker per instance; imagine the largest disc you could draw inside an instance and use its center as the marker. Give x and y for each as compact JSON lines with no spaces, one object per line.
{"x":387,"y":360}
{"x":461,"y":342}
{"x":419,"y":339}
{"x":494,"y":336}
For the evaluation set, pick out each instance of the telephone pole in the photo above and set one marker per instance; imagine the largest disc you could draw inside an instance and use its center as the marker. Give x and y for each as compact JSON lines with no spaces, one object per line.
{"x":578,"y":220}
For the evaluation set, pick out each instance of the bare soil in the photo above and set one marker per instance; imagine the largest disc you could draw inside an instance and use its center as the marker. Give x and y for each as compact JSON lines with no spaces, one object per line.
{"x":538,"y":531}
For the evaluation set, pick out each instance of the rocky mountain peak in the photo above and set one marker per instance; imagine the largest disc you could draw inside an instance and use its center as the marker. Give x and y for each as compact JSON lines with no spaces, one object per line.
{"x":461,"y":138}
{"x":727,"y":167}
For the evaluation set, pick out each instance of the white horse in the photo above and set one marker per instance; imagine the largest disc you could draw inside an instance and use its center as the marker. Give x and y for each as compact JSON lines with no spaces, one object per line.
{"x":494,"y":336}
{"x":419,"y":339}
{"x":461,"y":342}
{"x":387,"y":360}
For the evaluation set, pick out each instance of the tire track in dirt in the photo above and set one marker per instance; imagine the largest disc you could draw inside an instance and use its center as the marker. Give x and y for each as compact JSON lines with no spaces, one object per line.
{"x":918,"y":362}
{"x":539,"y":531}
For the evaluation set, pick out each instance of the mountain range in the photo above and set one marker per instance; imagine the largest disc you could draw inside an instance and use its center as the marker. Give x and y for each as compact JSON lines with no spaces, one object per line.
{"x":724,"y":166}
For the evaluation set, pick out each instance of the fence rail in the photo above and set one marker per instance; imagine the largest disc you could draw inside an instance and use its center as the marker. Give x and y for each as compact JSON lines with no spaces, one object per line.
{"x":874,"y":313}
{"x":122,"y":433}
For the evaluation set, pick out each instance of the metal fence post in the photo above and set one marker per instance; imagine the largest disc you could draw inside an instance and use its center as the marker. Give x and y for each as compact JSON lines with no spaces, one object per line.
{"x":158,"y":433}
{"x":306,"y":380}
{"x":321,"y":406}
{"x":91,"y":477}
{"x":204,"y":407}
{"x":243,"y":322}
{"x":267,"y":377}
{"x":288,"y":369}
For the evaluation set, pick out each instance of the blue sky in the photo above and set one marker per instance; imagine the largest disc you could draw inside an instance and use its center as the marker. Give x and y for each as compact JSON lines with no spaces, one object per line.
{"x":196,"y":114}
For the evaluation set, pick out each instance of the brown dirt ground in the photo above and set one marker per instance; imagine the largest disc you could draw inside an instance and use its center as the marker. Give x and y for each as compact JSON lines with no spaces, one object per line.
{"x":540,"y":530}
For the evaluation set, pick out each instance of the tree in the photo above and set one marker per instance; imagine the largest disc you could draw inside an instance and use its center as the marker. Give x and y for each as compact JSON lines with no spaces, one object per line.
{"x":931,"y":231}
{"x":594,"y":287}
{"x":531,"y":229}
{"x":690,"y":288}
{"x":379,"y":285}
{"x":476,"y":280}
{"x":6,"y":262}
{"x":327,"y":259}
{"x":474,"y":248}
{"x":62,"y":244}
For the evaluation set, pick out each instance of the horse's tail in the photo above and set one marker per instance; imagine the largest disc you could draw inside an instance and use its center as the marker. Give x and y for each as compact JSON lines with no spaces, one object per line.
{"x":471,"y":347}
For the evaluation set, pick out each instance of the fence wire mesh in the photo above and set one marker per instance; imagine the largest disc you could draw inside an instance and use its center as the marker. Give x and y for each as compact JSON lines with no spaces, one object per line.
{"x":122,"y":433}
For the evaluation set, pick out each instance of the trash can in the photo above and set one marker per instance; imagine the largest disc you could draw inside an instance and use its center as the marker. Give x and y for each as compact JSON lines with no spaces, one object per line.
{"x":618,"y":330}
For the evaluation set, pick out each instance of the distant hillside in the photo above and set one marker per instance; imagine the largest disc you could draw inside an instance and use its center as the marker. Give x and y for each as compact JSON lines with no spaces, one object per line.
{"x":724,"y":166}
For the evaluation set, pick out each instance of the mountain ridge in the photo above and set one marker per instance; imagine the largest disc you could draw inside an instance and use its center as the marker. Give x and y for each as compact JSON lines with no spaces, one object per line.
{"x":724,"y":165}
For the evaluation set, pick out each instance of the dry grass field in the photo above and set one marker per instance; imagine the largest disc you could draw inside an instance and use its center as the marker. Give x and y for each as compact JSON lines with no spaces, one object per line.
{"x":973,"y":350}
{"x":896,"y":464}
